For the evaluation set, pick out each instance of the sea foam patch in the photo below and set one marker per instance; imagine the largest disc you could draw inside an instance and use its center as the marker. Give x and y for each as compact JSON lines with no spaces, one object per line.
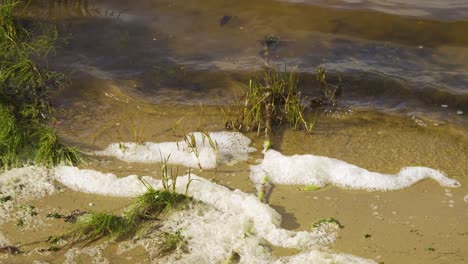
{"x":198,"y":150}
{"x":320,"y":171}
{"x":20,"y":185}
{"x":213,"y":236}
{"x":226,"y":221}
{"x":265,"y":220}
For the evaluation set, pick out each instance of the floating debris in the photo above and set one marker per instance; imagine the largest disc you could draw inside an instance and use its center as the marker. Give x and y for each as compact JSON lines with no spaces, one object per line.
{"x":459,"y":112}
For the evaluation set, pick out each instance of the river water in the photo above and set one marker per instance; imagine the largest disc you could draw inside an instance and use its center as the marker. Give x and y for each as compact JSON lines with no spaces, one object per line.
{"x":138,"y":68}
{"x":404,"y":57}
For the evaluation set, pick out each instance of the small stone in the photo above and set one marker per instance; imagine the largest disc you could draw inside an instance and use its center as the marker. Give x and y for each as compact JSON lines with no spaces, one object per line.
{"x":459,"y":112}
{"x":91,"y":204}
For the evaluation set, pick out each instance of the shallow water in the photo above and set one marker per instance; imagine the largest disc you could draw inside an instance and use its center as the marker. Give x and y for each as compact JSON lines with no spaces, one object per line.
{"x":145,"y":65}
{"x":183,"y":52}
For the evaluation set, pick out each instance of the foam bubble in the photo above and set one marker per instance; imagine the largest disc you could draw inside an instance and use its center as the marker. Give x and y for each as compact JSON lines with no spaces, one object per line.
{"x":231,"y":147}
{"x":265,"y":220}
{"x":320,"y":171}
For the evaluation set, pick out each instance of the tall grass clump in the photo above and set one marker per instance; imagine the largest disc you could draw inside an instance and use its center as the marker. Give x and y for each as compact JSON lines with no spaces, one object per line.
{"x":272,"y":101}
{"x":26,"y":133}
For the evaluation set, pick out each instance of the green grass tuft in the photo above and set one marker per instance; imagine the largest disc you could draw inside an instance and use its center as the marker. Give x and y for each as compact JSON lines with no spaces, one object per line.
{"x":98,"y":225}
{"x":154,"y":202}
{"x":272,"y":101}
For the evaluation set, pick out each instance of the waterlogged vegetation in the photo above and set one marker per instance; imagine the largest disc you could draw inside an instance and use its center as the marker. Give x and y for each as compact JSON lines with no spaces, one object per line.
{"x":271,"y":102}
{"x":27,"y":134}
{"x":146,"y":207}
{"x":276,"y":99}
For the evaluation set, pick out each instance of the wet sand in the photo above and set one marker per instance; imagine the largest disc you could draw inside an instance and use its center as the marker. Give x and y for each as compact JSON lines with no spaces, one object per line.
{"x":425,"y":223}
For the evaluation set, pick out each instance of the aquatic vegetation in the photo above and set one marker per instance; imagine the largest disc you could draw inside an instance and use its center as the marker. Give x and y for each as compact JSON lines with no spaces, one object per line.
{"x":329,"y":91}
{"x":97,"y":225}
{"x":172,"y":241}
{"x":264,"y":190}
{"x":25,"y":110}
{"x":147,"y":206}
{"x":154,"y":202}
{"x":271,"y":102}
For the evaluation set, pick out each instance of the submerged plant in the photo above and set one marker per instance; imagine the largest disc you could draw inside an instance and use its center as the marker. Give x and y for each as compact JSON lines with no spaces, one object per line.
{"x":329,"y":91}
{"x":270,"y":102}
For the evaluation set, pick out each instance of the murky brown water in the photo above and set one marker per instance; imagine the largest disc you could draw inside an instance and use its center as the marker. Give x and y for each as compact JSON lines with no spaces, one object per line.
{"x":147,"y":64}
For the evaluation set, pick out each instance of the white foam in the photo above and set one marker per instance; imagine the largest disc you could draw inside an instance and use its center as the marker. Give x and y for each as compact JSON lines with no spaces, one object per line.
{"x":265,"y":220}
{"x":211,"y":235}
{"x":231,"y":147}
{"x":320,"y":171}
{"x":95,"y":252}
{"x":22,"y":185}
{"x":225,"y":221}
